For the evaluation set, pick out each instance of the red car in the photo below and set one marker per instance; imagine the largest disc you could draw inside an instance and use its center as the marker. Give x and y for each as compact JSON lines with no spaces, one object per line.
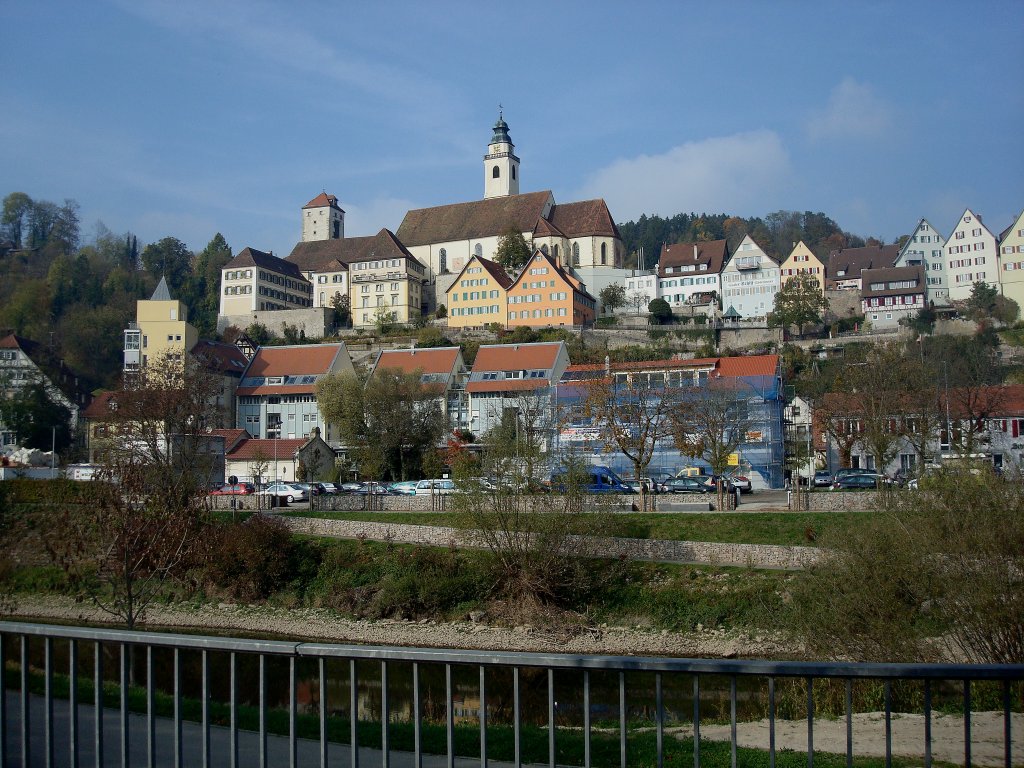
{"x":238,"y":489}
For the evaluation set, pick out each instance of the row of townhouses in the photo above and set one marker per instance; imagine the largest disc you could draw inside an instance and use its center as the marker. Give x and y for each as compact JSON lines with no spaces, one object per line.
{"x":893,"y":281}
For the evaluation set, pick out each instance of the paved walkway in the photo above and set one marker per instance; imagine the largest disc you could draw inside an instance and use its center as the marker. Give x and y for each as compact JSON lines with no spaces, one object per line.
{"x":308,"y":750}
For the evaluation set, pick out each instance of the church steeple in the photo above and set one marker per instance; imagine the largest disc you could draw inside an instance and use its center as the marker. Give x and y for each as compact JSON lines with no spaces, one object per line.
{"x":501,"y":166}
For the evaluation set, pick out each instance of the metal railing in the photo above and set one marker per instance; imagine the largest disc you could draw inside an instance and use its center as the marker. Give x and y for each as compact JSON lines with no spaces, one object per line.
{"x":24,"y":741}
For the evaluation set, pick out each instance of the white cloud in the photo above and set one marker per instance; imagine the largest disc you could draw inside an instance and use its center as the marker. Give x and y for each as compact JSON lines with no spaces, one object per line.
{"x":736,"y":174}
{"x":853,"y":111}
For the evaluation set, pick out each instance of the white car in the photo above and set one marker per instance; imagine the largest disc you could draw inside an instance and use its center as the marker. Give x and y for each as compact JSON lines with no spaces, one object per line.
{"x":286,"y":491}
{"x":426,"y":487}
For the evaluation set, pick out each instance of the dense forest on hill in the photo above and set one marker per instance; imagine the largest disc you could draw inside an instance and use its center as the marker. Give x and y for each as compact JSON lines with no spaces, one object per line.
{"x":77,"y":294}
{"x":776,"y":233}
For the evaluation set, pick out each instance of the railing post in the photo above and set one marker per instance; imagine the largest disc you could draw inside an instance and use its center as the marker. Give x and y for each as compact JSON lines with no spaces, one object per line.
{"x":72,"y":701}
{"x":48,"y":699}
{"x":26,"y":751}
{"x":98,"y":702}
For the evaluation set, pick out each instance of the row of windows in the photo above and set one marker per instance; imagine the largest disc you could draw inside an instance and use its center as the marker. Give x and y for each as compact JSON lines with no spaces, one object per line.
{"x":689,"y":281}
{"x":475,"y":295}
{"x":967,"y":247}
{"x":492,"y":309}
{"x":802,"y":271}
{"x":240,"y":274}
{"x":1013,"y":249}
{"x":890,"y":301}
{"x":295,"y":285}
{"x":687,"y":268}
{"x":526,"y":314}
{"x":336,"y":278}
{"x":364,"y":265}
{"x":753,"y":291}
{"x":959,"y":263}
{"x":473,"y":283}
{"x":282,"y":296}
{"x":235,"y":290}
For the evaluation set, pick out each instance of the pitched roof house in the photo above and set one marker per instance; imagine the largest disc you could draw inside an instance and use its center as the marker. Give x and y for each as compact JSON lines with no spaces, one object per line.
{"x":688,"y":273}
{"x":544,"y":293}
{"x":891,"y":294}
{"x":478,"y":295}
{"x":844,"y":266}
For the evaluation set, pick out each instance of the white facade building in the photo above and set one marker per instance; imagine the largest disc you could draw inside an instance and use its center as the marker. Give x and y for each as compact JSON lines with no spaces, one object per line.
{"x":971,"y":256}
{"x":925,"y":248}
{"x":750,"y":280}
{"x":688,"y":273}
{"x":1011,"y":261}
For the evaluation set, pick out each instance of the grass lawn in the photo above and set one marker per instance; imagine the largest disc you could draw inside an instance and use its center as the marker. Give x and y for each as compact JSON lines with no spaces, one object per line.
{"x":785,"y":528}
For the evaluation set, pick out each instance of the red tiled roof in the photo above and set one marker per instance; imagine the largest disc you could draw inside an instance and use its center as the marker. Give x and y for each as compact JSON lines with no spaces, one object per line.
{"x":220,"y":357}
{"x":308,"y":360}
{"x":99,"y":408}
{"x":250,"y":257}
{"x":587,"y":217}
{"x":851,"y":261}
{"x":713,"y":253}
{"x":503,"y":357}
{"x":319,"y":255}
{"x":887,"y":275}
{"x":479,"y":218}
{"x":544,"y":228}
{"x":749,"y":365}
{"x":323,"y":200}
{"x":265,"y":449}
{"x":553,"y":265}
{"x":232,"y":437}
{"x":437,"y":360}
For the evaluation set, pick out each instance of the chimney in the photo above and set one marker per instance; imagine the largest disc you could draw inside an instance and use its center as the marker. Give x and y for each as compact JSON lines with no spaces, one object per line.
{"x":607,"y":366}
{"x":694,"y":251}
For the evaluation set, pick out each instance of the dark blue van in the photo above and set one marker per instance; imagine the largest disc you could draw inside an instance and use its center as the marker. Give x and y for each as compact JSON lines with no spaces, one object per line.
{"x":594,"y":479}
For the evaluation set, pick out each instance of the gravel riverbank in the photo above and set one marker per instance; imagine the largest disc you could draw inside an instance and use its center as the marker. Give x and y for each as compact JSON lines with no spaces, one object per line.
{"x":327,"y":626}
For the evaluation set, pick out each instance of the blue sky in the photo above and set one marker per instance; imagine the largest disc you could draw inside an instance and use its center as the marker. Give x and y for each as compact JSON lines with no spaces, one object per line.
{"x":174,"y":117}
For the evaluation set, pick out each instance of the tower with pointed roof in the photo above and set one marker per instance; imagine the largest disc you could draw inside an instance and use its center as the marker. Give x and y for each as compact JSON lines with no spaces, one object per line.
{"x":501,"y":166}
{"x":160,"y":328}
{"x":322,"y":219}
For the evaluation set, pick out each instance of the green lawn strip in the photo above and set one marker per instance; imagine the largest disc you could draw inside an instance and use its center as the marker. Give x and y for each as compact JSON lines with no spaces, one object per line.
{"x":569,"y":742}
{"x":780,"y":528}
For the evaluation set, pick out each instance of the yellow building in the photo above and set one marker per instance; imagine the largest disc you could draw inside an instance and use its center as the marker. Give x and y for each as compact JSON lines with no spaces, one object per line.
{"x":160,"y":328}
{"x":479,"y":295}
{"x":546,"y":294}
{"x":1011,"y":261}
{"x":802,"y":261}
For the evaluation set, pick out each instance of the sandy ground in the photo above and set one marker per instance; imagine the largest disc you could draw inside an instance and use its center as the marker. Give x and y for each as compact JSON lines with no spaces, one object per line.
{"x":869,"y":736}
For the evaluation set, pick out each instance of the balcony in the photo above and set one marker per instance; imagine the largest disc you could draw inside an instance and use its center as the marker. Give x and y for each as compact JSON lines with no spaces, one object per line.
{"x":748,"y":262}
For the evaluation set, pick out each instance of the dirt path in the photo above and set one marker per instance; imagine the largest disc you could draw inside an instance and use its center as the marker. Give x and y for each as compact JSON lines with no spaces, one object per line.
{"x":869,"y":736}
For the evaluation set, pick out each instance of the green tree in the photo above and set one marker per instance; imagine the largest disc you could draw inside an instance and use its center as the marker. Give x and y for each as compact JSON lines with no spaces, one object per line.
{"x":799,"y":302}
{"x":932,"y":573}
{"x":17,"y":212}
{"x":981,"y":302}
{"x":441,"y":312}
{"x":660,"y":311}
{"x":342,"y":306}
{"x":259,"y":334}
{"x":383,"y":318}
{"x":513,"y":250}
{"x":388,"y":424}
{"x":201,"y":291}
{"x":613,"y":297}
{"x":168,"y":258}
{"x":38,"y":419}
{"x":922,"y":323}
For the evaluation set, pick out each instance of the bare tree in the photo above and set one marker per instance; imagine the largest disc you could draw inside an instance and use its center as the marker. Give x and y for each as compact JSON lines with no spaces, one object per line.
{"x":632,"y":417}
{"x":147,"y":516}
{"x":711,"y":422}
{"x":638,"y":300}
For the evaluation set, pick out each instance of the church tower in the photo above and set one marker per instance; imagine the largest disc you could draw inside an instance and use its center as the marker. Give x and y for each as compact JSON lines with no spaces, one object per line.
{"x":501,"y":166}
{"x":322,"y":219}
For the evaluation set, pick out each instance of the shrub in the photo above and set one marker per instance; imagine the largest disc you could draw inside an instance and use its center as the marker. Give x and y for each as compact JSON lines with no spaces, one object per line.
{"x":250,"y":560}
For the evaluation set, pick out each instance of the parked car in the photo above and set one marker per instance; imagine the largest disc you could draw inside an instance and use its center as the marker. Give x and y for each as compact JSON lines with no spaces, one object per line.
{"x":596,"y":479}
{"x":686,"y":485}
{"x":822,"y":478}
{"x":730,"y":482}
{"x":238,"y":489}
{"x":404,"y":487}
{"x":426,"y":487}
{"x":847,"y":471}
{"x":860,"y":481}
{"x":373,"y":488}
{"x":314,"y":489}
{"x":331,"y":489}
{"x":287,"y":491}
{"x":351,"y":486}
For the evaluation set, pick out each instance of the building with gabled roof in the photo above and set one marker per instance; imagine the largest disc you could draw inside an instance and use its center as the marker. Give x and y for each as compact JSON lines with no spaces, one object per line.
{"x":322,"y":219}
{"x":513,"y":376}
{"x":255,"y":281}
{"x":802,"y":261}
{"x":23,"y":363}
{"x":689,"y":273}
{"x":546,"y":294}
{"x":925,"y":248}
{"x":891,"y":294}
{"x":750,"y":280}
{"x":972,"y":256}
{"x":277,"y":394}
{"x":479,"y":295}
{"x":1011,"y":260}
{"x":844,"y":265}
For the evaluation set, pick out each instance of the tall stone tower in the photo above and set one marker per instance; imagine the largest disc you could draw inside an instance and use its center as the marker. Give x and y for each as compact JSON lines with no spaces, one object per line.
{"x":501,"y":166}
{"x":322,"y":219}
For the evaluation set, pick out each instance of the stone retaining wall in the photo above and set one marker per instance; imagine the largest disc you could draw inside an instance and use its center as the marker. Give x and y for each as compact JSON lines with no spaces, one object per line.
{"x":655,"y":550}
{"x":837,"y":501}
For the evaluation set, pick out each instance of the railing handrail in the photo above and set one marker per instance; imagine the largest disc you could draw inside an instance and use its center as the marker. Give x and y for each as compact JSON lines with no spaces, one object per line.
{"x":738,"y":667}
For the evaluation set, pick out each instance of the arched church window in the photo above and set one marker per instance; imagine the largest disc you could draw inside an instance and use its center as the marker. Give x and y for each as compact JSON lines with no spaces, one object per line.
{"x":604,"y":253}
{"x":575,"y":254}
{"x":555,"y":251}
{"x":478,"y":250}
{"x":544,"y":249}
{"x":513,"y":173}
{"x":443,"y":256}
{"x":496,"y":173}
